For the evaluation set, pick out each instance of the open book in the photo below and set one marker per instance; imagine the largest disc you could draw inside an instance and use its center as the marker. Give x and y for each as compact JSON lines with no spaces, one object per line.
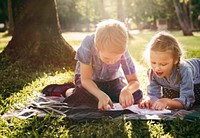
{"x":134,"y":108}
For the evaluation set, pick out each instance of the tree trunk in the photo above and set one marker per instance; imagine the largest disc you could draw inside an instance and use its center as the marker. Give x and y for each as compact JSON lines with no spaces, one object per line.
{"x":183,"y":17}
{"x":37,"y":38}
{"x":120,"y":11}
{"x":102,"y":9}
{"x":10,"y":18}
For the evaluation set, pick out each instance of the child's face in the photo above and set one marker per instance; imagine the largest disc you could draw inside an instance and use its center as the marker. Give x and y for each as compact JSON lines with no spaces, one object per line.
{"x":108,"y":57}
{"x":162,"y":63}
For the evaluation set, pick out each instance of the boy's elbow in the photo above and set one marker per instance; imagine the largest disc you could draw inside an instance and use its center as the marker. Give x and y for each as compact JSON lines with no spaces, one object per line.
{"x":137,"y":84}
{"x":85,"y":82}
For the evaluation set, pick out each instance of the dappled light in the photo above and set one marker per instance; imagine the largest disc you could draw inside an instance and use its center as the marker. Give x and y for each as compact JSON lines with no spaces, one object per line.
{"x":40,"y":80}
{"x":38,"y":43}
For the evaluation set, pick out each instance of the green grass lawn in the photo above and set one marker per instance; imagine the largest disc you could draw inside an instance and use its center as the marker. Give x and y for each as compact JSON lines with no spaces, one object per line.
{"x":17,"y":85}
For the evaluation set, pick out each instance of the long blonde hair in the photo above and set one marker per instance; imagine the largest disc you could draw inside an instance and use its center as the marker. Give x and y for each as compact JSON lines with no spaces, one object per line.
{"x":165,"y":42}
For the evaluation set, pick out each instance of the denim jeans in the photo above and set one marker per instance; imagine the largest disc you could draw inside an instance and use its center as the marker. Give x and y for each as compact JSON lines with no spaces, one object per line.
{"x":111,"y":88}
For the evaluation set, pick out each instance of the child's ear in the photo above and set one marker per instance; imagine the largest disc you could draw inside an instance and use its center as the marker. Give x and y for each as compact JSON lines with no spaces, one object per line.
{"x":176,"y":61}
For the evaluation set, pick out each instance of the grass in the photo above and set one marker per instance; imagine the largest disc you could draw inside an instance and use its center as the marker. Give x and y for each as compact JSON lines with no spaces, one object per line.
{"x":17,"y":87}
{"x":4,"y":40}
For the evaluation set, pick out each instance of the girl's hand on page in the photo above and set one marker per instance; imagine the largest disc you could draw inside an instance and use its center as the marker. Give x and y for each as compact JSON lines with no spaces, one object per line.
{"x":145,"y":103}
{"x":126,"y":98}
{"x":160,"y":104}
{"x":104,"y":102}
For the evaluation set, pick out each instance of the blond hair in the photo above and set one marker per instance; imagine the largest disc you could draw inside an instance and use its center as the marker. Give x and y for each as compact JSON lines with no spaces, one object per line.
{"x":165,"y":42}
{"x":111,"y":35}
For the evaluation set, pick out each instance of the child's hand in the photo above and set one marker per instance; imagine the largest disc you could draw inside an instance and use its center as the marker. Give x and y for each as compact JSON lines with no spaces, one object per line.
{"x":145,"y":103}
{"x":160,"y":104}
{"x":126,"y":98}
{"x":104,"y":102}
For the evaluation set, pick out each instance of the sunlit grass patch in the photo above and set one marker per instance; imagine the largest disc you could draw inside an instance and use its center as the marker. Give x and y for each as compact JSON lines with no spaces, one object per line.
{"x":4,"y":39}
{"x":17,"y":86}
{"x":75,"y":38}
{"x":191,"y":45}
{"x":22,"y":96}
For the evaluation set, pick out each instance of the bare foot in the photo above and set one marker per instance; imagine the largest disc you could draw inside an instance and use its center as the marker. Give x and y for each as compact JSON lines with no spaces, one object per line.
{"x":69,"y":92}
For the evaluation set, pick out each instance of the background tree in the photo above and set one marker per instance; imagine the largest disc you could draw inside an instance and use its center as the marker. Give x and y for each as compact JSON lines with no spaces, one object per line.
{"x":68,"y":14}
{"x":145,"y":13}
{"x":195,"y":4}
{"x":120,"y":10}
{"x":76,"y":15}
{"x":37,"y":38}
{"x":101,"y":8}
{"x":183,"y":14}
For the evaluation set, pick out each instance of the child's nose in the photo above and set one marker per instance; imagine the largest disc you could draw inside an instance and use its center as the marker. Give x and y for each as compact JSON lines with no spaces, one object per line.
{"x":157,"y":68}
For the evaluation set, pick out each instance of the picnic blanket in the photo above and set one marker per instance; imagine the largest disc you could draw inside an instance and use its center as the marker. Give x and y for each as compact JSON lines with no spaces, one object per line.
{"x":41,"y":106}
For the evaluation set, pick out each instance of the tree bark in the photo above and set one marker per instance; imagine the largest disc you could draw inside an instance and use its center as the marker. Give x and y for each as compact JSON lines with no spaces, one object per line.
{"x":37,"y":38}
{"x":183,"y":17}
{"x":10,"y":18}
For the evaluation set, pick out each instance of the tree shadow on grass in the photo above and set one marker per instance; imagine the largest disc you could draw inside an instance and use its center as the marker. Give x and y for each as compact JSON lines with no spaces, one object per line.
{"x":15,"y":76}
{"x":105,"y":127}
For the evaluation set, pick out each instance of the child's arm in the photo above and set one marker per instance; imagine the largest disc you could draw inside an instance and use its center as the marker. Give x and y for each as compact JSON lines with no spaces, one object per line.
{"x":88,"y":84}
{"x":126,"y":98}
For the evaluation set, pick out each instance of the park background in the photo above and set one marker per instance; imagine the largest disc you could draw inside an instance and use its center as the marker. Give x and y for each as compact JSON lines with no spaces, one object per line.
{"x":38,"y":40}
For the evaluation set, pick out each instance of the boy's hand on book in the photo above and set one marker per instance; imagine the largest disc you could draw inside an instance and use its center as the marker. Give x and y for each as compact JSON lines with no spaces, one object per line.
{"x":126,"y":98}
{"x":104,"y":102}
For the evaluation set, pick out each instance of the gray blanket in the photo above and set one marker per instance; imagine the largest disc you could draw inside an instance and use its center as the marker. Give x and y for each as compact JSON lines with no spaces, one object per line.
{"x":41,"y":106}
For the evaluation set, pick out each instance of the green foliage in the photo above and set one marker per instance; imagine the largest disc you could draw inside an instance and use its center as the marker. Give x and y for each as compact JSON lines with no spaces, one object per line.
{"x":195,"y":13}
{"x":3,"y":11}
{"x":68,"y":13}
{"x":19,"y":84}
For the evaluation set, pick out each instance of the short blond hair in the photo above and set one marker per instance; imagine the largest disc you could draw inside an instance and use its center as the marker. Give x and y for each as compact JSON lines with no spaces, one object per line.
{"x":111,"y":35}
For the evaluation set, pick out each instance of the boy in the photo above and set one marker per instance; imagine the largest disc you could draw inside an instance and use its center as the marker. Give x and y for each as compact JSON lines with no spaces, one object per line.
{"x":101,"y":58}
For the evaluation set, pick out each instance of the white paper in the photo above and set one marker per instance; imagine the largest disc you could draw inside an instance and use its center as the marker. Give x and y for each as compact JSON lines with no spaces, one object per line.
{"x":134,"y":108}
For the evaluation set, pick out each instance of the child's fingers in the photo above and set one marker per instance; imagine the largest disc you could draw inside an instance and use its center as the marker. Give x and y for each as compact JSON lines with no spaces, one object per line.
{"x":102,"y":107}
{"x":129,"y":102}
{"x":149,"y":104}
{"x":145,"y":104}
{"x":141,"y":104}
{"x":111,"y":104}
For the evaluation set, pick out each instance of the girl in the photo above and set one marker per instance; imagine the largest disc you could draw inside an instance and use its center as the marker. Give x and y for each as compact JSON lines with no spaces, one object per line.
{"x":173,"y":81}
